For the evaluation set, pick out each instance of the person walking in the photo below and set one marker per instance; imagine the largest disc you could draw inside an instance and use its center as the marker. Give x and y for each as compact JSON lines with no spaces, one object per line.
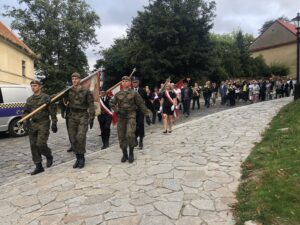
{"x":125,"y":103}
{"x":207,"y":91}
{"x":105,"y":118}
{"x":82,"y":113}
{"x":168,"y":103}
{"x":196,"y":96}
{"x":140,"y":127}
{"x":186,"y":96}
{"x":39,"y":126}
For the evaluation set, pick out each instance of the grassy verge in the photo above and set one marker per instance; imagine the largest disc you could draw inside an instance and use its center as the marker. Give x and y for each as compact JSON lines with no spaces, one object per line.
{"x":269,"y":192}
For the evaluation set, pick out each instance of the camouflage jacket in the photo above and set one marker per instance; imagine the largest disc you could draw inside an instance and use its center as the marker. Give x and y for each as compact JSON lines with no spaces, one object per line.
{"x":80,"y":98}
{"x":35,"y":101}
{"x":126,"y":102}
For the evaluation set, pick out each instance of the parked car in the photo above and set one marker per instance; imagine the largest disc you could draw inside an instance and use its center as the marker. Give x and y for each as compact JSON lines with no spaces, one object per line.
{"x":12,"y":102}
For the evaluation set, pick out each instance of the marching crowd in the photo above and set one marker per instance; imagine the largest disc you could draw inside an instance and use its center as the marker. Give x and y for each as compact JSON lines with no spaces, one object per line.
{"x":229,"y":91}
{"x":133,"y":105}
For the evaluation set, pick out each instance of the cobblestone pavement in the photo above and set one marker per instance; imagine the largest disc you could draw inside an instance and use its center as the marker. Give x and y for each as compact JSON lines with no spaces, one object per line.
{"x":15,"y":157}
{"x":187,"y":177}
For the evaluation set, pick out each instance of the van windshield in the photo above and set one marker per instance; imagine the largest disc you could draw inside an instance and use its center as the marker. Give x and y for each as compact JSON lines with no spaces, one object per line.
{"x":14,"y":94}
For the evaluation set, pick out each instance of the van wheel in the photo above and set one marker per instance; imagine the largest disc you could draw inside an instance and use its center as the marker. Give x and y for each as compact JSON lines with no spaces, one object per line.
{"x":17,"y":130}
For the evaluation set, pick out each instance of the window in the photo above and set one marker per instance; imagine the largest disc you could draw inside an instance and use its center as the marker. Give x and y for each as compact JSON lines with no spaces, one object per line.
{"x":14,"y":94}
{"x":23,"y":68}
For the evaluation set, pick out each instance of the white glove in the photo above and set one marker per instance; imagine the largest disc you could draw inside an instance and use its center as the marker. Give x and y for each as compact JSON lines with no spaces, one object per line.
{"x":156,"y":97}
{"x":160,"y":109}
{"x":172,"y":108}
{"x":177,"y":107}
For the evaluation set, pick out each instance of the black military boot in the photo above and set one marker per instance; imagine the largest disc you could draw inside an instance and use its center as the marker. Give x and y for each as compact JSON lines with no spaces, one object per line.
{"x":38,"y":169}
{"x":77,"y":161}
{"x":141,"y":145}
{"x":81,"y":162}
{"x":49,"y":161}
{"x":125,"y":155}
{"x":131,"y":156}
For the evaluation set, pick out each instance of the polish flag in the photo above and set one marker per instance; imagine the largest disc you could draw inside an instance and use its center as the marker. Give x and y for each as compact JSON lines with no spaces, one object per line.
{"x":115,"y":89}
{"x":93,"y":84}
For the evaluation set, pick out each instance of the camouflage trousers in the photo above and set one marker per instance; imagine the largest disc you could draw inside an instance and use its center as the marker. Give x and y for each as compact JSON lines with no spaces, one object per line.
{"x":126,"y":132}
{"x":77,"y":129}
{"x":38,"y":137}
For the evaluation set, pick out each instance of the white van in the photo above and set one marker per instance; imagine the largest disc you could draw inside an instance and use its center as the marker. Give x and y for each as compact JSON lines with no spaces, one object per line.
{"x":12,"y":102}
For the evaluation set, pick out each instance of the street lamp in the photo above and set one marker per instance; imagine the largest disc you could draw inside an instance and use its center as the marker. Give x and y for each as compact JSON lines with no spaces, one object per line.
{"x":296,"y":20}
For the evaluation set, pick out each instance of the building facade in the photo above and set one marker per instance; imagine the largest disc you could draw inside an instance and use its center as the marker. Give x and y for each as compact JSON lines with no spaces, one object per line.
{"x":277,"y":45}
{"x":16,"y":59}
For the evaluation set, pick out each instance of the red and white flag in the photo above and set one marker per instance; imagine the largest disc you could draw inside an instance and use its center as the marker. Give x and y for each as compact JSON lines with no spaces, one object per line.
{"x":92,"y":83}
{"x":115,"y":89}
{"x":179,"y":84}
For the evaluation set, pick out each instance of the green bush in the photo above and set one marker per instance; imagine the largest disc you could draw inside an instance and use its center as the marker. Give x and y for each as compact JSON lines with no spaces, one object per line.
{"x":280,"y":69}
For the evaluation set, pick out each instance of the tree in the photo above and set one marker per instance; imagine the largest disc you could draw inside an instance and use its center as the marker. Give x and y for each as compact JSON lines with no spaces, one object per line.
{"x":227,"y":55}
{"x":243,"y":41}
{"x":171,"y":37}
{"x":58,"y":31}
{"x":259,"y":68}
{"x":268,"y":23}
{"x":279,"y":69}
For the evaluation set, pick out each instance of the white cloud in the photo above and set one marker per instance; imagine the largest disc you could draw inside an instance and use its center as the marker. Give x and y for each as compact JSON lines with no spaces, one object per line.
{"x":106,"y":36}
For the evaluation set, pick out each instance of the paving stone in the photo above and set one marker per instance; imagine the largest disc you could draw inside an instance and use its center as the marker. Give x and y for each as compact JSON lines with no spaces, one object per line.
{"x":203,"y":204}
{"x":192,"y":183}
{"x":170,"y":209}
{"x":189,"y":220}
{"x":156,"y":220}
{"x":190,"y":211}
{"x":131,"y":220}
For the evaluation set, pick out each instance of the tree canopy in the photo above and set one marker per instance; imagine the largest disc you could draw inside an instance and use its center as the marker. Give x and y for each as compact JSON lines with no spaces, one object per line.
{"x":168,"y":38}
{"x":58,"y":31}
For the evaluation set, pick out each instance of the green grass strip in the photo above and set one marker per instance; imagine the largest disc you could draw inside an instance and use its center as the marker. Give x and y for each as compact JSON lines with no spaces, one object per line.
{"x":269,"y":192}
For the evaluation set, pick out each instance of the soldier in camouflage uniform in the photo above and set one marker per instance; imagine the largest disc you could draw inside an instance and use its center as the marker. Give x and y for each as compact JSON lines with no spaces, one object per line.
{"x":39,"y":126}
{"x":125,"y":103}
{"x":81,"y":114}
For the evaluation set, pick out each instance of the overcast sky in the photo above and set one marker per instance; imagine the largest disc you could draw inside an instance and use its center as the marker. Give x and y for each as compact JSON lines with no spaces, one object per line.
{"x":116,"y":16}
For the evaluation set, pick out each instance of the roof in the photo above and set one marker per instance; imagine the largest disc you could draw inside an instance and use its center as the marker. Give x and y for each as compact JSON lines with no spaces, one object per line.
{"x":288,"y":38}
{"x":288,"y":26}
{"x":7,"y":34}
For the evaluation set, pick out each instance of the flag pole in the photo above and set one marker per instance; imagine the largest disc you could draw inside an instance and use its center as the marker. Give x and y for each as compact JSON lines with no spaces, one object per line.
{"x":55,"y":98}
{"x":117,"y":84}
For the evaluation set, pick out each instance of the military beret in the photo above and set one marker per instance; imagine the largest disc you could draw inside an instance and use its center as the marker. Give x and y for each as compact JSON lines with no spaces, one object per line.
{"x":135,"y":79}
{"x":126,"y":78}
{"x":35,"y":82}
{"x":76,"y":75}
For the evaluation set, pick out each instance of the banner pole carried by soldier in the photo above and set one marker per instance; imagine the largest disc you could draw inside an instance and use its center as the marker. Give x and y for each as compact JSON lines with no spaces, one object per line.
{"x":57,"y":97}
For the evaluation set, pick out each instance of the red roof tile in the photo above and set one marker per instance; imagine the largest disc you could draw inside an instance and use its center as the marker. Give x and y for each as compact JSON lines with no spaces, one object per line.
{"x":6,"y":33}
{"x":288,"y":26}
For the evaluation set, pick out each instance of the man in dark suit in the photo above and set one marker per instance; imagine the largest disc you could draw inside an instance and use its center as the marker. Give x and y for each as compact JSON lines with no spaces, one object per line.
{"x":186,"y":96}
{"x":140,"y":129}
{"x":105,"y":118}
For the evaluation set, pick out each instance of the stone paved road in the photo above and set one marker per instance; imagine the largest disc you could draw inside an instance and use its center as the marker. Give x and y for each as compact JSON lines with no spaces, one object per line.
{"x":15,"y":157}
{"x":189,"y":177}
